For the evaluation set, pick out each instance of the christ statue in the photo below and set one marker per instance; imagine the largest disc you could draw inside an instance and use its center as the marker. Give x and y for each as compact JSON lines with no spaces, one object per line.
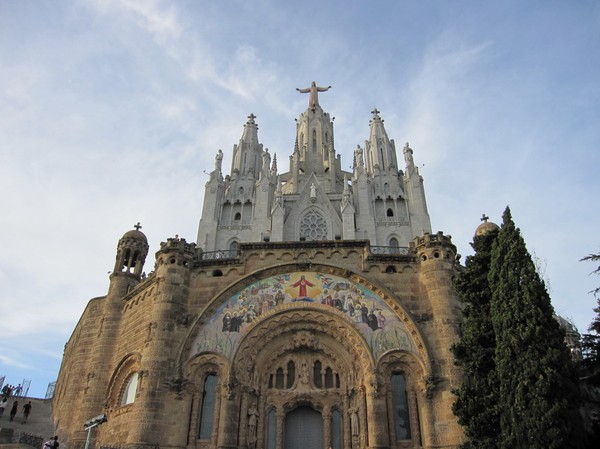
{"x":313,"y":91}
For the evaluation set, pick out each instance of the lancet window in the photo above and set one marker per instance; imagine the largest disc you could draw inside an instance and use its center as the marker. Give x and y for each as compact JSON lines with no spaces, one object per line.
{"x":207,"y":407}
{"x":400,"y":407}
{"x":130,"y":389}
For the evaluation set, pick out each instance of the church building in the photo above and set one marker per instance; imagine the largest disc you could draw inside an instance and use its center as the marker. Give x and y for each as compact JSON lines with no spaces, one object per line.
{"x":315,"y":311}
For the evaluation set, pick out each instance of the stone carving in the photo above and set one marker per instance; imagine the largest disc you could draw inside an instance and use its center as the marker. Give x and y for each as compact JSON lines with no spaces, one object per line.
{"x":218,"y":160}
{"x":354,"y":423}
{"x":252,"y":421}
{"x":304,"y":340}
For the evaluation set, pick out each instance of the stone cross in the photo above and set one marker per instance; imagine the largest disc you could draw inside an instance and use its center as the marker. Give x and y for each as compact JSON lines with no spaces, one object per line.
{"x":484,"y":218}
{"x":137,"y":226}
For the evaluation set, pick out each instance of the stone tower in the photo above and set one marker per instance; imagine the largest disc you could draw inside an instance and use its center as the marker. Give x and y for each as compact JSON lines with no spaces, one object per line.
{"x":316,"y":310}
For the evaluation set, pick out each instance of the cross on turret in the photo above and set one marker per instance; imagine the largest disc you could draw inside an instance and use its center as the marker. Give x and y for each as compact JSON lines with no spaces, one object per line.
{"x":137,"y":226}
{"x":484,"y":218}
{"x":251,"y":117}
{"x":375,"y":111}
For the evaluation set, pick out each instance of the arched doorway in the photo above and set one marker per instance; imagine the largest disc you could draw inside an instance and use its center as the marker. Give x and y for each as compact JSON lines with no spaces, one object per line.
{"x":303,"y":429}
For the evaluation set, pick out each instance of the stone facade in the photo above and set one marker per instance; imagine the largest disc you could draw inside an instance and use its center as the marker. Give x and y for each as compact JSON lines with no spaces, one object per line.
{"x":316,"y":310}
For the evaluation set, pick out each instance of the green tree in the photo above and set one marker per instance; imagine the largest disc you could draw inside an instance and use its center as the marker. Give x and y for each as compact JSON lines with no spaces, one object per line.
{"x":538,"y":395}
{"x":591,"y":341}
{"x":476,"y":404}
{"x":590,"y":367}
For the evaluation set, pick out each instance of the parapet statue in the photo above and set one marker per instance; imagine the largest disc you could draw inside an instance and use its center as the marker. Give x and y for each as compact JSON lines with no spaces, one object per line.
{"x":218,"y":160}
{"x":313,"y":91}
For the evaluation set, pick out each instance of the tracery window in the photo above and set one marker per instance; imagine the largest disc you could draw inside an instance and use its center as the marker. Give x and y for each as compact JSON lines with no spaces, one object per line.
{"x":207,"y":408}
{"x":400,"y":407}
{"x":313,"y":226}
{"x":131,"y":385}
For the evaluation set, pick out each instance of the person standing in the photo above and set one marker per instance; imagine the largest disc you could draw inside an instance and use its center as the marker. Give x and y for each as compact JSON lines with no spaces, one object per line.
{"x":13,"y":410}
{"x":26,"y":411}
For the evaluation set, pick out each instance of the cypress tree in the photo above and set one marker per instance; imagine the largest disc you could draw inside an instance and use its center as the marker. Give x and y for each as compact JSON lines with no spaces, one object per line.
{"x":476,"y":404}
{"x":538,"y":398}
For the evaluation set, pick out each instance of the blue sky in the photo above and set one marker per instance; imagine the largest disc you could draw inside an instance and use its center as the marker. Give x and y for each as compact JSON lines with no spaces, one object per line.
{"x":111,"y":112}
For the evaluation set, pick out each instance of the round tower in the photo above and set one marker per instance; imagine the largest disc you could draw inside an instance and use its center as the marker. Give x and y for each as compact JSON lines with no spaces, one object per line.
{"x":132,"y":250}
{"x":437,"y":266}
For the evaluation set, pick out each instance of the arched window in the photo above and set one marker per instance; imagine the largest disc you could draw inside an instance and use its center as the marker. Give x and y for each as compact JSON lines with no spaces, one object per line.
{"x":390,"y":212}
{"x":207,"y":408}
{"x":233,"y":248}
{"x":336,"y":430}
{"x":400,"y":407}
{"x":279,"y":378}
{"x":314,"y":140}
{"x":271,"y":429}
{"x":394,"y":246}
{"x":317,"y":374}
{"x":291,"y":374}
{"x":328,"y":378}
{"x":237,"y":216}
{"x":130,"y":389}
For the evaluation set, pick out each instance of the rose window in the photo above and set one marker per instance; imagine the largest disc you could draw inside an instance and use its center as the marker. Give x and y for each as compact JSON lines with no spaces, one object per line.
{"x":313,"y":226}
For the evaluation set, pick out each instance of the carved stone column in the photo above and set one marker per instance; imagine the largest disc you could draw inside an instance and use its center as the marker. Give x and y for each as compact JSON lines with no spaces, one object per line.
{"x":427,"y":416}
{"x":327,"y":426}
{"x":347,"y":441}
{"x":376,"y":417}
{"x":280,"y":423}
{"x":228,"y":417}
{"x":413,"y":407}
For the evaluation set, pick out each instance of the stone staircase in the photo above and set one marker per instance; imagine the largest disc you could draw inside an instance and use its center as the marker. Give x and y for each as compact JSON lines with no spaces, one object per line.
{"x":39,"y":426}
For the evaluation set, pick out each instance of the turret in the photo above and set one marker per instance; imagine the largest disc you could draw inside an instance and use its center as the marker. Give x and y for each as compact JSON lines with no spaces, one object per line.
{"x":132,"y":250}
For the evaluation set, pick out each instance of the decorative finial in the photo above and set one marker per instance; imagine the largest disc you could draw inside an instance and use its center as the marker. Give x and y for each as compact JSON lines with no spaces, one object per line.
{"x":137,"y":226}
{"x":375,"y":111}
{"x":251,"y":118}
{"x":484,"y":218}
